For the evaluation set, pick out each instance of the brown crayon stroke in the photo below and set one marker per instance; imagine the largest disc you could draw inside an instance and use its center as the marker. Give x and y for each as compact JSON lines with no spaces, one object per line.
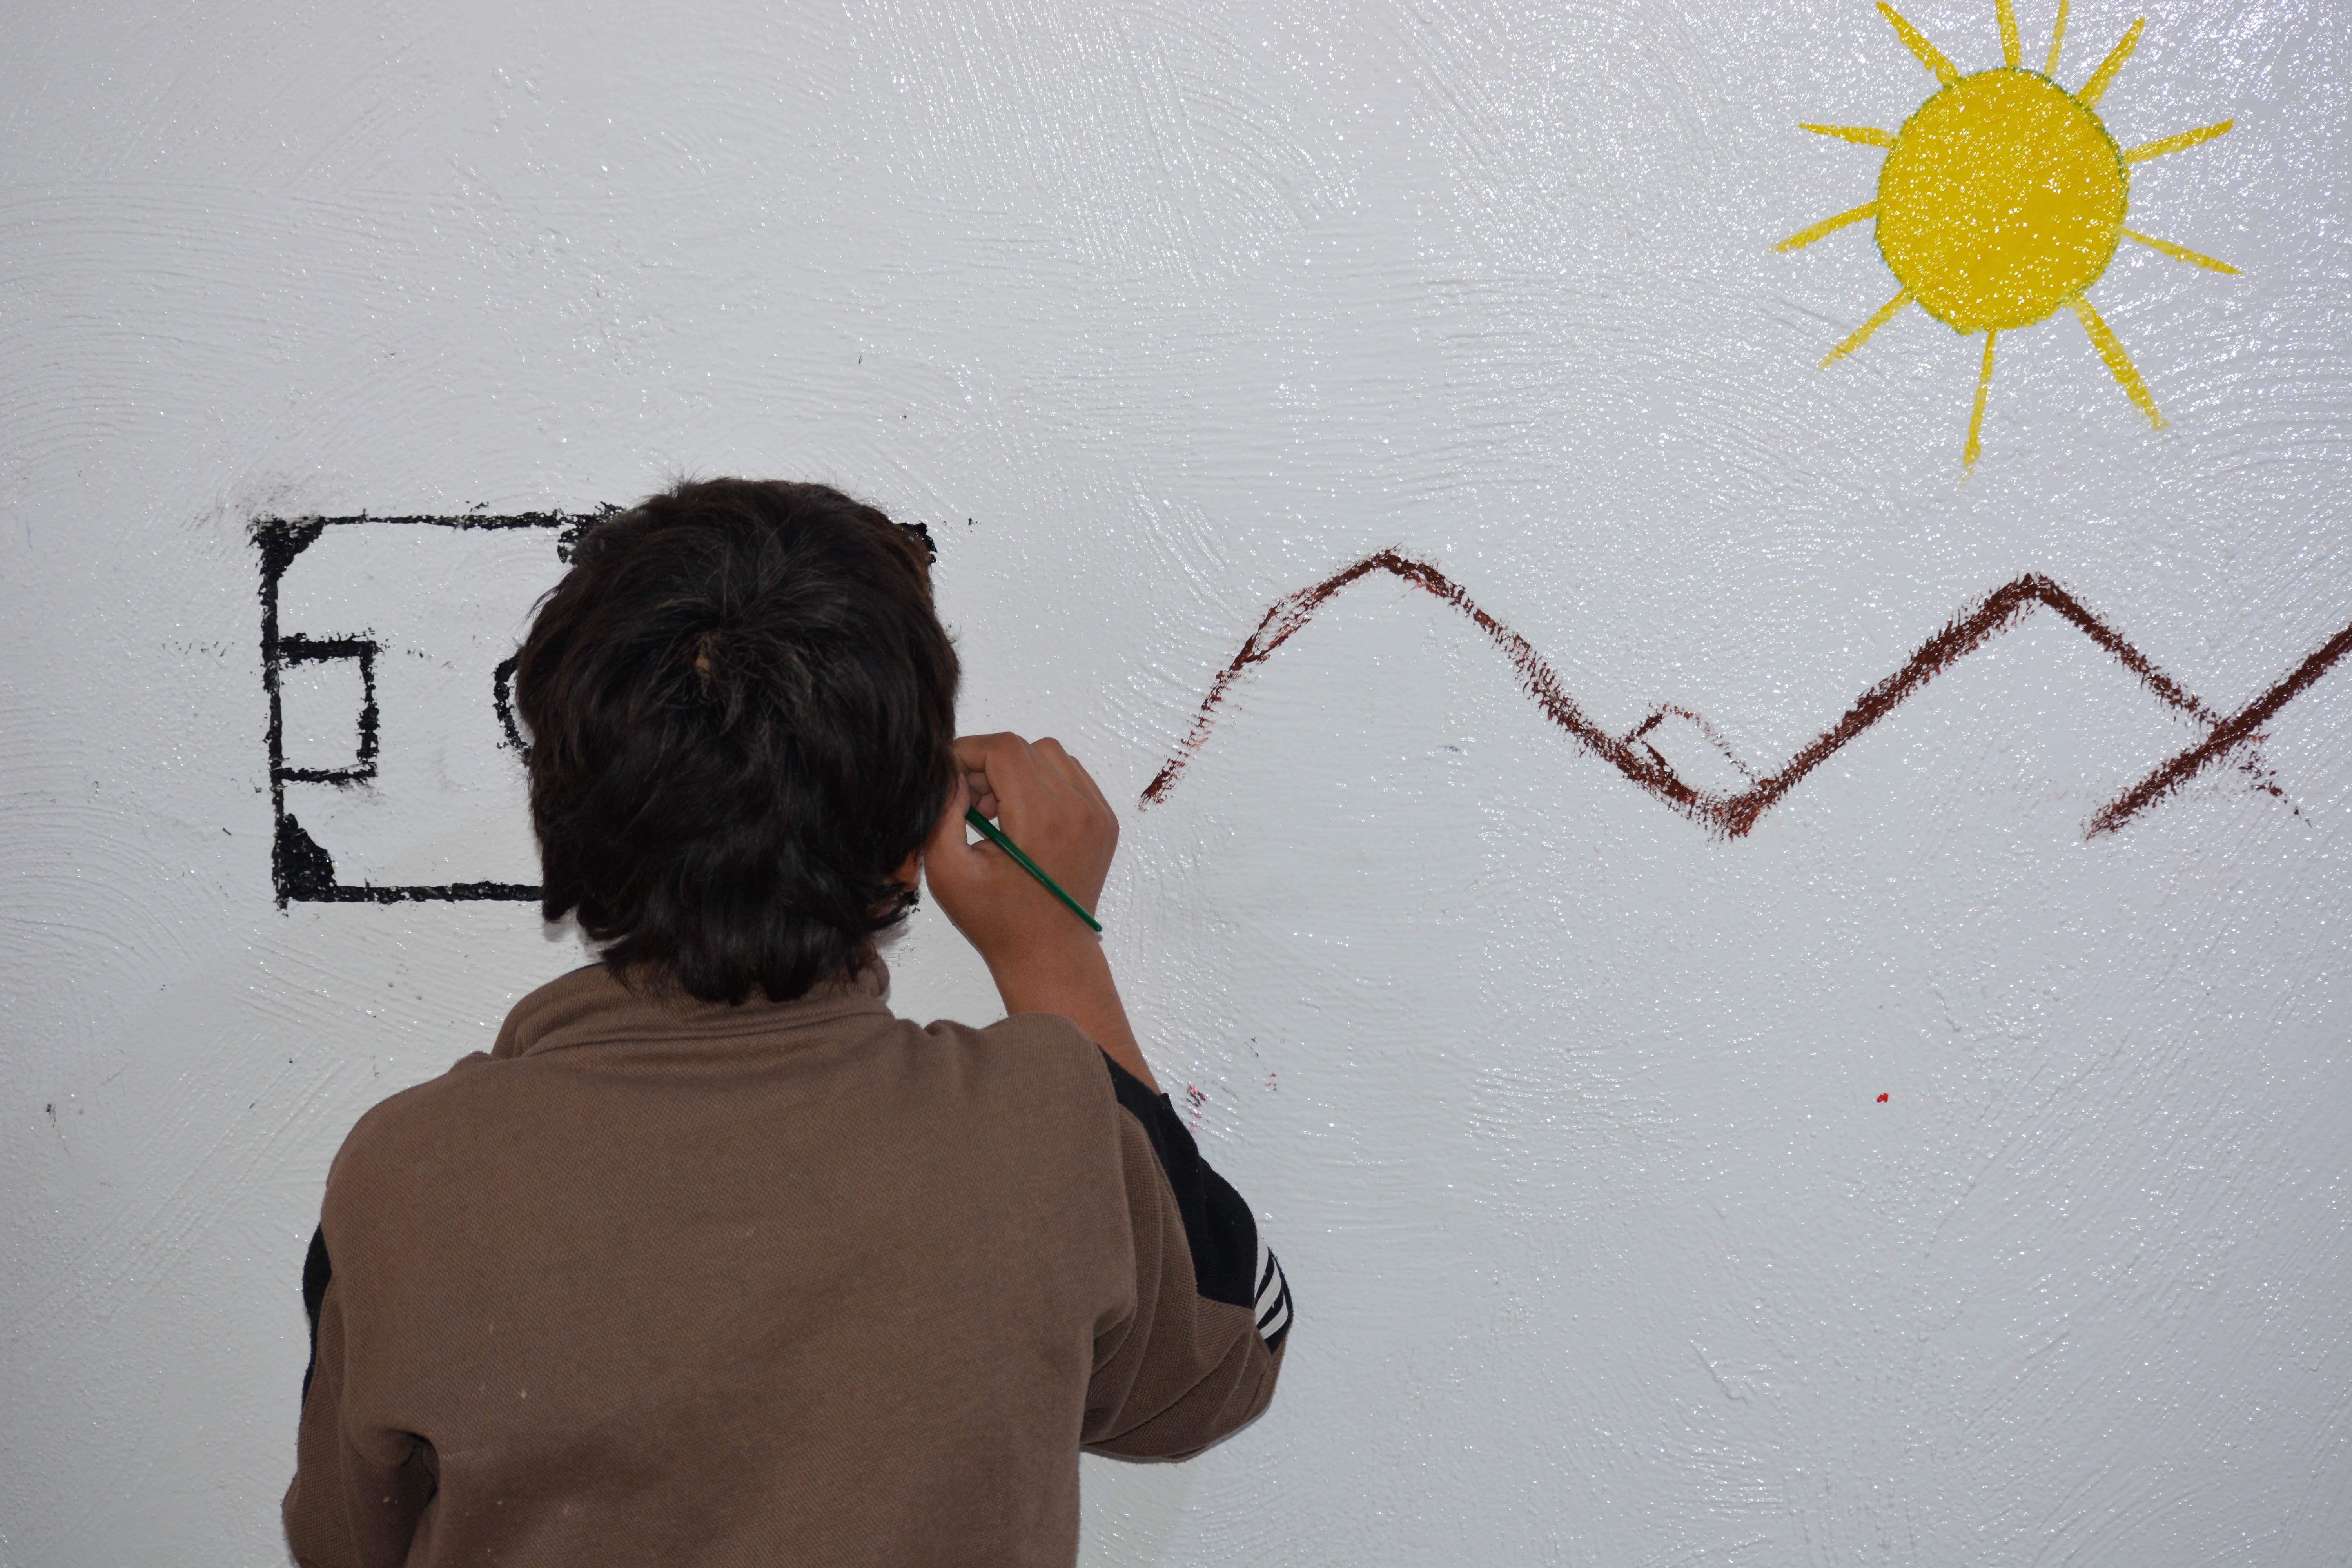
{"x":1734,"y":815}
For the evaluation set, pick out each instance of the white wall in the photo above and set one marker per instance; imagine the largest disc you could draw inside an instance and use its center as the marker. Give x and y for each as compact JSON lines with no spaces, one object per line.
{"x":1564,"y":1113}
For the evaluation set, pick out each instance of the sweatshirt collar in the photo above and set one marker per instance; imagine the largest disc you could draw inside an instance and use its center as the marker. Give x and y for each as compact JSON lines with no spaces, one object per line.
{"x":590,"y":1006}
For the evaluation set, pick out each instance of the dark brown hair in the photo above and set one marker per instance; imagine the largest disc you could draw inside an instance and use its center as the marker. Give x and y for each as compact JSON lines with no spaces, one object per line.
{"x":741,"y":709}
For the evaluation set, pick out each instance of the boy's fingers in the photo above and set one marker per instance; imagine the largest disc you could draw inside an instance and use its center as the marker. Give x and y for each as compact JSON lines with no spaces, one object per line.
{"x":1005,"y":767}
{"x":1002,"y":761}
{"x":1094,"y":791}
{"x":1068,"y":772}
{"x":976,"y":753}
{"x":1023,"y":778}
{"x":978,"y":795}
{"x":1053,"y":761}
{"x":1073,"y":773}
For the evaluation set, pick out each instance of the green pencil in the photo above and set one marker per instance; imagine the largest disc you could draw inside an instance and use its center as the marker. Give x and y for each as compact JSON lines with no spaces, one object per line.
{"x":995,"y":836}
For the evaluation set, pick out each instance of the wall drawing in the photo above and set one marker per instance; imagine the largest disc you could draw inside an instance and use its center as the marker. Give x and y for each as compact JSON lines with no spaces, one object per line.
{"x":2003,"y":199}
{"x":301,"y":869}
{"x":476,"y":710}
{"x":1330,"y":383}
{"x":1732,"y":814}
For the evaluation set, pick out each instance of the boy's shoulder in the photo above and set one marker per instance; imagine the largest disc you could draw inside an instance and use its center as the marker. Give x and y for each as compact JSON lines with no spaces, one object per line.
{"x":1031,"y":1049}
{"x":435,"y":1106}
{"x":1029,"y":1066}
{"x":390,"y":1138}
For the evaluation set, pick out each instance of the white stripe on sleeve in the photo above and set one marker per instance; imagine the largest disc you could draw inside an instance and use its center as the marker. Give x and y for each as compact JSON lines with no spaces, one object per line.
{"x":1273,"y":1294}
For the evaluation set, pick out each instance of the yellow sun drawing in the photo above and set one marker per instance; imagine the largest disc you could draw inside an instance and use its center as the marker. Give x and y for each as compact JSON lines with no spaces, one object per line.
{"x":2003,"y":199}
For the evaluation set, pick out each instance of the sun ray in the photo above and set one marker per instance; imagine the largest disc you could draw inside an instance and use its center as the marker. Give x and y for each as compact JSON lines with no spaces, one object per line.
{"x":1805,"y":236}
{"x":2057,"y":39}
{"x":1868,"y":135}
{"x":2119,"y":365}
{"x":2179,"y":252}
{"x":1860,"y":334}
{"x":1976,"y":420}
{"x":2112,"y":64}
{"x":2008,"y":33}
{"x":1916,"y":42}
{"x":2180,"y":143}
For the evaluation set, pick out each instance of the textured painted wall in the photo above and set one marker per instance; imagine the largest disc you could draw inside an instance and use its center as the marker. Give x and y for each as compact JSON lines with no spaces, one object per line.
{"x":1915,"y":1176}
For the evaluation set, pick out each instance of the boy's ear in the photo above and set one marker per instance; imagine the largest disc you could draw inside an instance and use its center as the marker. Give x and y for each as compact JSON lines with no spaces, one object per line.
{"x":910,"y":872}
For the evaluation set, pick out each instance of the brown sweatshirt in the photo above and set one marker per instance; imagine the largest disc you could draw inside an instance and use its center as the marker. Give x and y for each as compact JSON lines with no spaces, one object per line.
{"x":658,"y":1281}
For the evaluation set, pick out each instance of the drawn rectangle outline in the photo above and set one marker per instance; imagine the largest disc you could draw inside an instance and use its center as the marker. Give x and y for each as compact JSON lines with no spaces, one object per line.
{"x":301,"y":871}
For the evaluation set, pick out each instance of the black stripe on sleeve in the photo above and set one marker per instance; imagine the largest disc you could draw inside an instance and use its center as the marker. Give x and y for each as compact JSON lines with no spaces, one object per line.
{"x":316,"y":1271}
{"x":1218,"y":1226}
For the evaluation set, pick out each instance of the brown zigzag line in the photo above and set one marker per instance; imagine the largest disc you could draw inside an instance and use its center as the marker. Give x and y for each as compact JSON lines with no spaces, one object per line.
{"x":1734,"y":815}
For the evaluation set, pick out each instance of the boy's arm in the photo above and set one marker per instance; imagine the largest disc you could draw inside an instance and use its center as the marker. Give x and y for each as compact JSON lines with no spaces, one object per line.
{"x":341,"y":1510}
{"x":1197,"y":1357}
{"x":1043,"y":958}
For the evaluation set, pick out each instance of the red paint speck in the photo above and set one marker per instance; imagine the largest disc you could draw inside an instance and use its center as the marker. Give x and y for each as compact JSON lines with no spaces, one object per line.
{"x":1882,"y":1100}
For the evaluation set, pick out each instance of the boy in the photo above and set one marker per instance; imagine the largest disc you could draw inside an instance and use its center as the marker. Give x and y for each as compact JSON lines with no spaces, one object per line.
{"x":712,"y":1260}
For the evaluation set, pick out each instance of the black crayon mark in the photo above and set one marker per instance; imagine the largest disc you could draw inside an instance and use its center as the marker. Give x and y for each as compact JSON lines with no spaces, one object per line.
{"x":1732,"y":815}
{"x":502,"y":703}
{"x":298,"y":649}
{"x":301,"y":870}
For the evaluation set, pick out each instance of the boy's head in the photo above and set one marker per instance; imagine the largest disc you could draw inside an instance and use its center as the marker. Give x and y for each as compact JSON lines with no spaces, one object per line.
{"x":741,"y":710}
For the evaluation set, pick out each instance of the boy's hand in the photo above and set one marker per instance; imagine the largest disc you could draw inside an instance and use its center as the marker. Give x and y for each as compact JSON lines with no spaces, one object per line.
{"x":1042,"y":957}
{"x":1046,"y":803}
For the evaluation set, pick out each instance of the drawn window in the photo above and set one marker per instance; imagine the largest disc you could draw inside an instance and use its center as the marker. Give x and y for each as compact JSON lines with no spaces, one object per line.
{"x":327,"y":700}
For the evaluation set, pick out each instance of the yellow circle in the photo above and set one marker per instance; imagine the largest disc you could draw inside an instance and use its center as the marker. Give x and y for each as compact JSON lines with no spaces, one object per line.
{"x":2000,"y":200}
